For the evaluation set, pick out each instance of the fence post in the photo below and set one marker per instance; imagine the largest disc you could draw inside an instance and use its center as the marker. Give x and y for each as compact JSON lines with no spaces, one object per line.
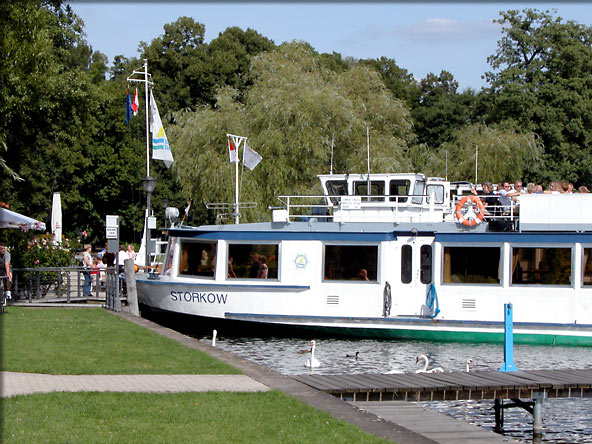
{"x":130,"y":282}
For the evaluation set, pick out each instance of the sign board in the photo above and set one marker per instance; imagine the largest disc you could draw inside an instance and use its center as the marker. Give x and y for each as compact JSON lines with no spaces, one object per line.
{"x":112,"y":221}
{"x":111,"y":232}
{"x":151,"y":222}
{"x":351,"y":202}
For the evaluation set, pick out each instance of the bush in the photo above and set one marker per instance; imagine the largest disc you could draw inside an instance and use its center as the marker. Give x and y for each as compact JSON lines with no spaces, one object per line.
{"x":42,"y":252}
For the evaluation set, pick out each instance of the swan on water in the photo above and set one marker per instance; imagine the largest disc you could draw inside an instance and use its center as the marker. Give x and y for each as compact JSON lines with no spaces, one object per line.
{"x":424,"y":369}
{"x":468,"y":364}
{"x":312,"y":362}
{"x":214,"y":334}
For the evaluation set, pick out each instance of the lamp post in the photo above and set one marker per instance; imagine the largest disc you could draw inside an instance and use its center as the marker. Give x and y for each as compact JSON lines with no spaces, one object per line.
{"x":149,"y":183}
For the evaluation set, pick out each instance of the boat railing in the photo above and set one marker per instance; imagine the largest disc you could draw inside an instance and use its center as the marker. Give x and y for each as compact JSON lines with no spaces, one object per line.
{"x":324,"y":207}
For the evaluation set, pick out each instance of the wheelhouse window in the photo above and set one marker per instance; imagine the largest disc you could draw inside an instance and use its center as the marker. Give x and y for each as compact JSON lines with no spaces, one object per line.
{"x":351,"y":262}
{"x":399,"y":190}
{"x":471,"y":265}
{"x":437,"y":191}
{"x":406,"y":264}
{"x":587,"y":267}
{"x":425,"y":274}
{"x":198,"y":259}
{"x":376,"y":190}
{"x":336,"y":188}
{"x":252,"y":261}
{"x":419,"y":191}
{"x":541,"y":266}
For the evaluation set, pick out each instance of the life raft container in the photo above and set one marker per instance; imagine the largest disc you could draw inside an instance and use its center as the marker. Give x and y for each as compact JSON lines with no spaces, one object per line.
{"x":470,"y":221}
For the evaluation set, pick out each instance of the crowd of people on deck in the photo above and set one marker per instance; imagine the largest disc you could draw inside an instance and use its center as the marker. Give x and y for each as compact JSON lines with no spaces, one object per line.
{"x":505,"y":197}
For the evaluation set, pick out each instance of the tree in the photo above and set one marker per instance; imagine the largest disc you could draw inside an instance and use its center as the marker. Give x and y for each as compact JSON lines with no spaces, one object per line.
{"x":502,"y":154}
{"x":289,"y":116}
{"x":541,"y":82}
{"x":397,"y":79}
{"x":439,"y":109}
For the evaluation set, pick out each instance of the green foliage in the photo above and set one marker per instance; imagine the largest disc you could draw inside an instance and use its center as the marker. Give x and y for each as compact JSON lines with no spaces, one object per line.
{"x":503,"y":154}
{"x":42,"y":252}
{"x":541,"y":83}
{"x":289,"y":116}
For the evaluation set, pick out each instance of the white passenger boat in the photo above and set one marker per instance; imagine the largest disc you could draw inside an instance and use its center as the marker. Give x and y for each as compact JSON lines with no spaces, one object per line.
{"x":391,"y":256}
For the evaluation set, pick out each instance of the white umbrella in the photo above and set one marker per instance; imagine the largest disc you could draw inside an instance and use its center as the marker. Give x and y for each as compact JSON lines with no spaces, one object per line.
{"x":56,"y":218}
{"x":11,"y":219}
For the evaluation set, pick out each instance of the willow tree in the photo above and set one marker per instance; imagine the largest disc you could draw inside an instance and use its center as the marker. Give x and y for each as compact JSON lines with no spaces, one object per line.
{"x":290,"y":115}
{"x":500,"y":154}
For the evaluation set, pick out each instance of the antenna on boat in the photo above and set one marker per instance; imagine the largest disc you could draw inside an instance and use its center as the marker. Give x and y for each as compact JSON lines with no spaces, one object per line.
{"x":332,"y":146}
{"x":476,"y":161}
{"x":446,"y":167}
{"x":368,"y":155}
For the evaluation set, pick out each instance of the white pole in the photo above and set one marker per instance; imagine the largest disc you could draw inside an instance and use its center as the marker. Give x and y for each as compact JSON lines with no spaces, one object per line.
{"x":368,"y":157}
{"x":236,"y":184}
{"x":476,"y":161}
{"x":147,"y":120}
{"x":446,"y":167}
{"x":332,"y":146}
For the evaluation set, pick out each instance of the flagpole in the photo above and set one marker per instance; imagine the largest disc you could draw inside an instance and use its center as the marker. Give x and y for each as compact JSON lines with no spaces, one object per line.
{"x":147,"y":124}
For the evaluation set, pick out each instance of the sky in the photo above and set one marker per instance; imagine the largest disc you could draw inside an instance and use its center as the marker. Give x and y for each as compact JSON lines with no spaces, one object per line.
{"x":421,"y":37}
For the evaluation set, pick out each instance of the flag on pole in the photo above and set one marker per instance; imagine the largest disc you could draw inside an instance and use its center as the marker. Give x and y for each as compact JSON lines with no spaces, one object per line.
{"x":128,"y":107}
{"x":135,"y":103}
{"x":251,"y":158}
{"x":232,"y":151}
{"x":160,"y":144}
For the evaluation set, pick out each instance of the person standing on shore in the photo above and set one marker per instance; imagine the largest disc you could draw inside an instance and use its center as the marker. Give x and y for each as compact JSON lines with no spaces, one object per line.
{"x":87,"y":264}
{"x":5,"y":268}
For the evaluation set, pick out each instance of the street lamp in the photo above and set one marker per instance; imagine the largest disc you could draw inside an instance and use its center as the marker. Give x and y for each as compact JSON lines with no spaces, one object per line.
{"x":149,"y":183}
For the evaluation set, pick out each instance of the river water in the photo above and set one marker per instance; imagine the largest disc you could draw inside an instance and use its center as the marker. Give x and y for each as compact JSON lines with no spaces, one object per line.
{"x":564,"y":420}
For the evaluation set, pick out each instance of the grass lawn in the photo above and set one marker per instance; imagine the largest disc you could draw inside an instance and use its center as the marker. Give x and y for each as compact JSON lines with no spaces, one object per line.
{"x":88,"y":341}
{"x":221,"y":418}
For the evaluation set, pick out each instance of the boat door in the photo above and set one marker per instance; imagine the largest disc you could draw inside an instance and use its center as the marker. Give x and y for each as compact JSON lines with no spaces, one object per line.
{"x":412,"y":275}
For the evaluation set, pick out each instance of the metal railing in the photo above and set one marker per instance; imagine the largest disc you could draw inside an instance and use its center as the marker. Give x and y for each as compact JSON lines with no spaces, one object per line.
{"x":64,"y":284}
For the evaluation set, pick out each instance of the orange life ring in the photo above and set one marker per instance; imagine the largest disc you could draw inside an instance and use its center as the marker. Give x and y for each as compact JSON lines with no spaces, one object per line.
{"x":470,"y":222}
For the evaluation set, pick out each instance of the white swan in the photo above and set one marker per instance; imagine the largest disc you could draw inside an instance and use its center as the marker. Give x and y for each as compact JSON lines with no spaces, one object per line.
{"x":468,"y":364}
{"x":312,"y":362}
{"x":424,"y":369}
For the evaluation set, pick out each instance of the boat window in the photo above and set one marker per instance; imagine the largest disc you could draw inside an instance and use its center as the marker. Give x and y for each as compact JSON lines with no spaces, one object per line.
{"x":438,"y":191}
{"x":351,"y":262}
{"x":419,"y":191}
{"x":336,"y":188}
{"x":471,"y":265}
{"x":197,"y":259}
{"x":397,"y":189}
{"x":252,"y":261}
{"x":406,"y":264}
{"x":376,"y":190}
{"x":587,"y":266}
{"x":426,"y":264}
{"x":542,"y":266}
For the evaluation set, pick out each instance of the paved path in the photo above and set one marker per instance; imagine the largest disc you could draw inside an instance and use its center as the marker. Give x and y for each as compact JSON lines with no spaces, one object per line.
{"x":27,"y":383}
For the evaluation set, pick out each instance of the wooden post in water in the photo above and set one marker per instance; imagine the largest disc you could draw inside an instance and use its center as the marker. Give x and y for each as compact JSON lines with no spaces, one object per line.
{"x":130,"y":281}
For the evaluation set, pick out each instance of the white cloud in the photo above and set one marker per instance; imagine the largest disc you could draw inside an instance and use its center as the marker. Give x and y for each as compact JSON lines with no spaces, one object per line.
{"x":435,"y":30}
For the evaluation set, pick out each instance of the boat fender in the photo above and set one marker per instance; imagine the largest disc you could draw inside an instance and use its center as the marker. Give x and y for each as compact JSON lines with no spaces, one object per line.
{"x":387,"y":300}
{"x":470,"y":221}
{"x":431,"y":300}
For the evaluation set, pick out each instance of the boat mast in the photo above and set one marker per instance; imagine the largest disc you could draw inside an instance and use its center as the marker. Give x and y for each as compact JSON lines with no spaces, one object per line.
{"x":332,"y":147}
{"x":236,"y":141}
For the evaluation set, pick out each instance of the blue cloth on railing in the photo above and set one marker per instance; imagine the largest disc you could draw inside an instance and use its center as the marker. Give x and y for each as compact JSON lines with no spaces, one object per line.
{"x":431,"y":300}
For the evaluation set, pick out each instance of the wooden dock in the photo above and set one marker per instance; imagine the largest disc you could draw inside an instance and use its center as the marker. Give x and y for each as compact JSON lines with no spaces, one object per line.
{"x":450,"y":386}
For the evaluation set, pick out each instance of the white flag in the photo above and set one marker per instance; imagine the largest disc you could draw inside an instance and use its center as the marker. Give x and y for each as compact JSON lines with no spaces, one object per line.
{"x":160,"y":144}
{"x":251,"y":158}
{"x":232,"y":151}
